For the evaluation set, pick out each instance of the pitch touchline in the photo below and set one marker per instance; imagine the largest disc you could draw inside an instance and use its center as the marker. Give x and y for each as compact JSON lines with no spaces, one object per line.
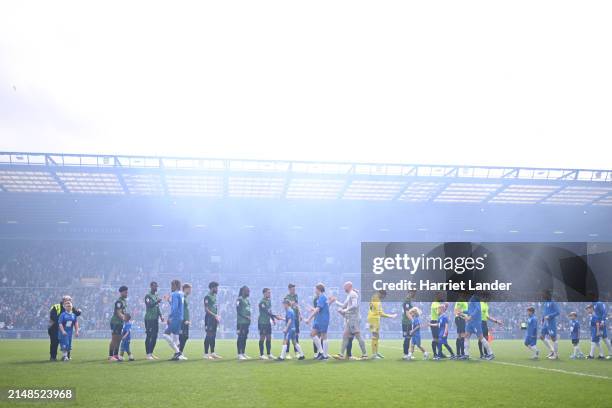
{"x":558,"y":370}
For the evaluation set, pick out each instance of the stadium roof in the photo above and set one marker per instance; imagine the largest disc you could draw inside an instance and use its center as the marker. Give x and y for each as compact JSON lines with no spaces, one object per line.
{"x":84,"y":174}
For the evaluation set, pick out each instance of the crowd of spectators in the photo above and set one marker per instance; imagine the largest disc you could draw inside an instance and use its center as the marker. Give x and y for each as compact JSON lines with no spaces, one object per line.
{"x":35,"y":274}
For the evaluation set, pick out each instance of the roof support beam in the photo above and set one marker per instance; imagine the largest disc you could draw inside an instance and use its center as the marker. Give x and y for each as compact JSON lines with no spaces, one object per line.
{"x":552,"y":193}
{"x":347,"y":183}
{"x":603,"y":197}
{"x":512,"y":173}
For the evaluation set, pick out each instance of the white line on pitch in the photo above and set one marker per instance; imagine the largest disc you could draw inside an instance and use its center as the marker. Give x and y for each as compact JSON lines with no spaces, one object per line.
{"x":557,"y":370}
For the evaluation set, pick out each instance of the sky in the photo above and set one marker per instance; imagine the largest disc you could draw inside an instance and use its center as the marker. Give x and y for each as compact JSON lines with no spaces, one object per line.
{"x":515,"y":83}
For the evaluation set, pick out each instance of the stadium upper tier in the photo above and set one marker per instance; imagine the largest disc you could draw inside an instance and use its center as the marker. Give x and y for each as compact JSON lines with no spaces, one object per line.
{"x":220,"y":178}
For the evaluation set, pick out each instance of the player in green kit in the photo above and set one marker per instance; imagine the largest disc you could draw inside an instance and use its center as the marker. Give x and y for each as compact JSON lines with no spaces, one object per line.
{"x":264,"y":324}
{"x":211,"y":321}
{"x":243,"y":321}
{"x":152,"y":317}
{"x":292,"y":297}
{"x":186,"y":322}
{"x":116,"y":324}
{"x":407,"y":323}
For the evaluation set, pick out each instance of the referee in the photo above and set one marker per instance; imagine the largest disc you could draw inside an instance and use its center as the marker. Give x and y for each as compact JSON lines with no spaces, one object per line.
{"x":54,"y":314}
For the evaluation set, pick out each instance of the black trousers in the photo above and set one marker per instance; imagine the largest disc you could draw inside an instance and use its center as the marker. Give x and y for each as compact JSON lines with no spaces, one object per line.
{"x":183,"y":336}
{"x":151,"y":330}
{"x":53,"y":342}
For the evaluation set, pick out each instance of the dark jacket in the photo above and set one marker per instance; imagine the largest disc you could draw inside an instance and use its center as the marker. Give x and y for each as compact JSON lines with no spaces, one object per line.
{"x":55,"y":312}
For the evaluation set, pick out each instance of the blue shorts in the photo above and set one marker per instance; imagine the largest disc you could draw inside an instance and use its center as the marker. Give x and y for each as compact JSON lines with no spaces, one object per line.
{"x":474,"y":328}
{"x":65,"y":342}
{"x":320,"y":327}
{"x":531,"y":341}
{"x":174,"y":327}
{"x":594,"y":337}
{"x":125,"y":346}
{"x":289,"y":336}
{"x":549,"y":328}
{"x":416,"y":340}
{"x":443,"y":340}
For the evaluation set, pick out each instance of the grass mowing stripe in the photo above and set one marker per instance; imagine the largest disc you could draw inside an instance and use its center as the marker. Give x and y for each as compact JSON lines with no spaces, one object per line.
{"x":556,"y":370}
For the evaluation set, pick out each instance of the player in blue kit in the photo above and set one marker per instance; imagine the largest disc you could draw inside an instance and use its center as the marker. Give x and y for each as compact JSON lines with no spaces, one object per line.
{"x":575,"y":336}
{"x":595,"y":334}
{"x":126,"y":338}
{"x":175,"y":320}
{"x":290,"y":332}
{"x":549,"y":326}
{"x":442,"y":325}
{"x":415,"y":334}
{"x":531,"y":337}
{"x":67,"y":322}
{"x":474,"y":326}
{"x":321,"y":323}
{"x":599,"y":309}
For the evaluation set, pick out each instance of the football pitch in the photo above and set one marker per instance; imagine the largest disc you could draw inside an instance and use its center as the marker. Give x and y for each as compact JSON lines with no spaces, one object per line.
{"x":511,"y":380}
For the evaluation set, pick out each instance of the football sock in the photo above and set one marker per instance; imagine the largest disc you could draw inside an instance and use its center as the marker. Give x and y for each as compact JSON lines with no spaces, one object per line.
{"x":486,"y":346}
{"x":269,"y":345}
{"x":318,"y":345}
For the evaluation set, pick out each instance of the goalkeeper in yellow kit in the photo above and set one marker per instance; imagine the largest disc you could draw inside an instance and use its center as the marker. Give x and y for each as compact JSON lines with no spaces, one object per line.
{"x":375,"y":312}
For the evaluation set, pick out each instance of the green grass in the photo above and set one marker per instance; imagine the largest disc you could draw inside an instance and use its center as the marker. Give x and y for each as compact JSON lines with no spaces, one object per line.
{"x":230,"y":383}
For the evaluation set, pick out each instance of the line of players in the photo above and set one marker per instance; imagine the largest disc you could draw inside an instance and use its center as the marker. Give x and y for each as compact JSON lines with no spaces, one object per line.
{"x":471,"y":318}
{"x":597,"y":327}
